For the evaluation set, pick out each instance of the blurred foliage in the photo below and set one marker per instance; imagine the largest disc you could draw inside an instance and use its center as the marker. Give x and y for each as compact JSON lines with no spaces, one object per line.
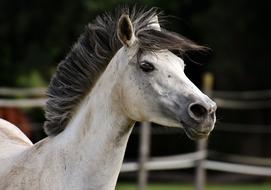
{"x":36,"y":35}
{"x":32,"y":79}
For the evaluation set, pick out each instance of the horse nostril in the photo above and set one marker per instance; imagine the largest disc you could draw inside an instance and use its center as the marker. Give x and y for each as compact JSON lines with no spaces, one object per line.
{"x":197,"y":111}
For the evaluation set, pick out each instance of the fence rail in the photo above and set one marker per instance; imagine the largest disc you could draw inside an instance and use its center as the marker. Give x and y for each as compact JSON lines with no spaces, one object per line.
{"x":241,"y":104}
{"x":22,"y":91}
{"x":167,"y":162}
{"x":247,"y":160}
{"x":244,"y":95}
{"x":237,"y":168}
{"x":189,"y":161}
{"x":23,"y":103}
{"x":38,"y":101}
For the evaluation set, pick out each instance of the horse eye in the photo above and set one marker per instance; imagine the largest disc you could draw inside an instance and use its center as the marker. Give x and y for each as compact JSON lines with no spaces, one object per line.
{"x":146,"y":66}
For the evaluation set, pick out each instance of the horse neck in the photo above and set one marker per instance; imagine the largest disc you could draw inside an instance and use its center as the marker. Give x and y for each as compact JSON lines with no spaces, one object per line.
{"x":95,"y":139}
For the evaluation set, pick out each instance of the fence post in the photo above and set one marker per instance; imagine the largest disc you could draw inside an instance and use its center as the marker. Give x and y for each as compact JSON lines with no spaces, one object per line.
{"x":202,"y":144}
{"x":144,"y":150}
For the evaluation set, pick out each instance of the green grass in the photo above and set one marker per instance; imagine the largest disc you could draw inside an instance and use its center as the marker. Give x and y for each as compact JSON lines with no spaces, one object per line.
{"x":190,"y":187}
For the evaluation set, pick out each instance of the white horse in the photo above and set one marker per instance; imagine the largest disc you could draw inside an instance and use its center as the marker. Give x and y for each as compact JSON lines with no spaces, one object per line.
{"x":120,"y":71}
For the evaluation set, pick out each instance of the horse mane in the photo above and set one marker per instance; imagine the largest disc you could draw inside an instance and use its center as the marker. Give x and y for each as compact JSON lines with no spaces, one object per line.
{"x":77,"y":73}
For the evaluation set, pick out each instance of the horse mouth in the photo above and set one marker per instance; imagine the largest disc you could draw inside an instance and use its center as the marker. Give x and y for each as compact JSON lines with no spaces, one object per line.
{"x":195,"y":133}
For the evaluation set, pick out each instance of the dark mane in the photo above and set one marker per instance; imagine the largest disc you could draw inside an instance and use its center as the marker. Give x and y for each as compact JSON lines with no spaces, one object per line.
{"x":77,"y":73}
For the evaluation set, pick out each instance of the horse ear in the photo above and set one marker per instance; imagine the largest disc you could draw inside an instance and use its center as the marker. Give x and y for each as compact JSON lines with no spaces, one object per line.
{"x":154,"y":23}
{"x":125,"y":30}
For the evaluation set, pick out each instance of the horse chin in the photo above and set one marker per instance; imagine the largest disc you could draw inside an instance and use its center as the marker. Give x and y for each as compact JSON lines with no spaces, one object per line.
{"x":195,"y":132}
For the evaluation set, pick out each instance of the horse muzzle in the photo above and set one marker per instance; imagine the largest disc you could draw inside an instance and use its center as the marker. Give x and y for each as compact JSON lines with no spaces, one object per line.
{"x":200,"y":119}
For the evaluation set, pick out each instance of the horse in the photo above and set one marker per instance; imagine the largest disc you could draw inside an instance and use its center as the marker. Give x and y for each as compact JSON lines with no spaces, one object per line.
{"x":124,"y":68}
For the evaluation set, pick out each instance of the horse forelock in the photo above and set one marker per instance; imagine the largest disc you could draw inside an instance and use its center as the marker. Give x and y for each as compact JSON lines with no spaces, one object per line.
{"x":77,"y":73}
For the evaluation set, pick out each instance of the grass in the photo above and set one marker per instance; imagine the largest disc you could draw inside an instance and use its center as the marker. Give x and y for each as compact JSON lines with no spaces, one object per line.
{"x":190,"y":187}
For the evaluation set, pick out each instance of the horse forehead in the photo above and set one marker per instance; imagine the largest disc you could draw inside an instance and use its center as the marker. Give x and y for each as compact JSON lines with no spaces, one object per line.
{"x":166,"y":58}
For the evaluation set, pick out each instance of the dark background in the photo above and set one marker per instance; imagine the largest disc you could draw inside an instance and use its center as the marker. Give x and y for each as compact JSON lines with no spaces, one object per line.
{"x":36,"y":35}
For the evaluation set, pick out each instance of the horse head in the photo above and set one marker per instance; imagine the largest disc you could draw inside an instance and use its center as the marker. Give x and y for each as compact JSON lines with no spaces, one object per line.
{"x":153,"y":85}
